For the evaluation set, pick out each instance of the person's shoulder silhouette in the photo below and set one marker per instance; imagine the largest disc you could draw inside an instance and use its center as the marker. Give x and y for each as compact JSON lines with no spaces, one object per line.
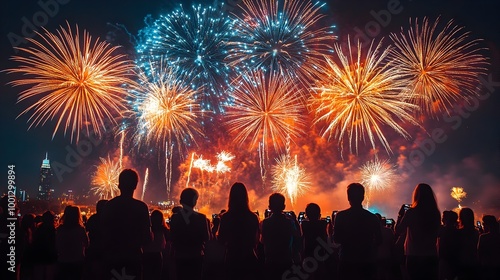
{"x":189,"y":231}
{"x":358,"y":232}
{"x":125,"y":220}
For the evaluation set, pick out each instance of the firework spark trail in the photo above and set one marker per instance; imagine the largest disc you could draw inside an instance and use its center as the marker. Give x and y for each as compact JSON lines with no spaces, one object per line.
{"x":267,"y":108}
{"x":122,"y":139}
{"x":105,"y":179}
{"x":377,"y":175}
{"x":441,"y":67}
{"x":74,"y":80}
{"x":195,"y":43}
{"x":169,"y":147}
{"x":144,"y":186}
{"x":361,"y":95}
{"x":189,"y":170}
{"x":281,"y":37}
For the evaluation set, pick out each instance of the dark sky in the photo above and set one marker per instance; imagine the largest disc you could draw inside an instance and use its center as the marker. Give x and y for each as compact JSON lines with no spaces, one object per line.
{"x":471,"y":151}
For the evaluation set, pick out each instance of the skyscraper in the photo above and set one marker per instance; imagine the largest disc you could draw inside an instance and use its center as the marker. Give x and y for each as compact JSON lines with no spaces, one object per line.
{"x":44,"y":189}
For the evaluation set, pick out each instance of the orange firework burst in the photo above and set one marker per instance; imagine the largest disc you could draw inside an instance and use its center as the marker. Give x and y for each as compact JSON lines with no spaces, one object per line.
{"x":361,"y":95}
{"x":166,"y":112}
{"x":76,"y":80}
{"x":105,"y":179}
{"x":458,"y":193}
{"x":166,"y":109}
{"x":267,"y":108}
{"x":442,"y":67}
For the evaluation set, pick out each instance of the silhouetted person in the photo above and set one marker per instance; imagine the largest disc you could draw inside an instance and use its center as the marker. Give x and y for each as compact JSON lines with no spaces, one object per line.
{"x":448,"y":246}
{"x":71,"y":240}
{"x":314,"y":238}
{"x":239,"y":232}
{"x":94,"y":254}
{"x":278,"y":234}
{"x":384,"y":255}
{"x":126,"y":230}
{"x":153,"y":252}
{"x":25,"y":246}
{"x":44,"y":248}
{"x":358,"y":233}
{"x":421,"y":223}
{"x":488,"y":249}
{"x":189,"y":231}
{"x":469,"y":237}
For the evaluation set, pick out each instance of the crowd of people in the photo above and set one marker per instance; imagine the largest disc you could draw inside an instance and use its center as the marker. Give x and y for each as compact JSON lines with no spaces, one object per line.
{"x":123,"y":240}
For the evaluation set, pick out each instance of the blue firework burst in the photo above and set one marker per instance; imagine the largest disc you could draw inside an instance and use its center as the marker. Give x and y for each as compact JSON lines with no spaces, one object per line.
{"x":195,"y":44}
{"x":281,"y":36}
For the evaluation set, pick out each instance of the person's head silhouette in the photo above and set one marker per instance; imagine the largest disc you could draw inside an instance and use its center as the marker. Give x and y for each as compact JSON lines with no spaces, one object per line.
{"x":466,"y":217}
{"x":450,"y":218}
{"x":490,"y":224}
{"x":238,"y":198}
{"x":127,"y":182}
{"x":423,"y":197}
{"x":276,"y":203}
{"x":355,"y":194}
{"x":313,"y":212}
{"x":100,"y":205}
{"x":189,"y":197}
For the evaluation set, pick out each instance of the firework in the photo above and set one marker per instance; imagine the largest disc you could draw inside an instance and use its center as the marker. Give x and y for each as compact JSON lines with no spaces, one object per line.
{"x":167,"y":112}
{"x":195,"y":43}
{"x":281,"y":36}
{"x":377,"y":175}
{"x":144,"y":186}
{"x":458,"y":194}
{"x":166,"y":108}
{"x":289,"y":179}
{"x":223,"y":157}
{"x":442,"y":67}
{"x":267,"y":108}
{"x":74,"y":80}
{"x":105,"y":179}
{"x":203,"y":164}
{"x":361,"y":95}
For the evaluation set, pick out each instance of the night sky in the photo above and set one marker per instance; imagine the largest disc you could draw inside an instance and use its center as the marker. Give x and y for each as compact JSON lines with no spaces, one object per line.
{"x":470,"y":156}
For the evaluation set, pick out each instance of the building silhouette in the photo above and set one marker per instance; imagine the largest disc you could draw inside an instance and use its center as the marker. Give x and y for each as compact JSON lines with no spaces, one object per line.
{"x":45,"y":188}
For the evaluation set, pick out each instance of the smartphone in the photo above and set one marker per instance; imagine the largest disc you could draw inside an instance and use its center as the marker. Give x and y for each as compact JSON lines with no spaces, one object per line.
{"x":406,"y":206}
{"x":267,"y":213}
{"x":214,"y":216}
{"x":301,"y":216}
{"x":328,"y":219}
{"x":478,"y":224}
